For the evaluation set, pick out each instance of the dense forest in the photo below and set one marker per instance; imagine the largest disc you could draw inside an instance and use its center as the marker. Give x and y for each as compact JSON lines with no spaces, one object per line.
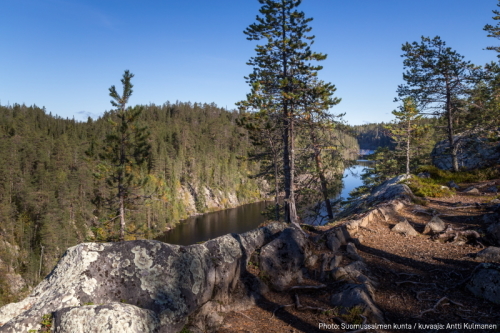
{"x":48,"y":187}
{"x":372,"y":136}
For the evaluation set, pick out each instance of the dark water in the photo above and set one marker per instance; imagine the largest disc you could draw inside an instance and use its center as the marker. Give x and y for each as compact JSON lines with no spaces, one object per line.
{"x":211,"y":225}
{"x":237,"y":220}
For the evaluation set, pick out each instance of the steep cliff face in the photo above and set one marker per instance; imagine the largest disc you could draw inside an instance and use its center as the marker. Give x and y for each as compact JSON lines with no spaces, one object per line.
{"x":11,"y":282}
{"x":201,"y":199}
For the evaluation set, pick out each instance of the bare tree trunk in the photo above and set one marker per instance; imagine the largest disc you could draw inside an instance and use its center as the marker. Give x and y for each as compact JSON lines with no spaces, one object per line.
{"x":41,"y":260}
{"x":408,"y":137}
{"x":451,"y":139}
{"x":290,"y":210}
{"x":122,"y":218}
{"x":276,"y":190}
{"x":319,"y":167}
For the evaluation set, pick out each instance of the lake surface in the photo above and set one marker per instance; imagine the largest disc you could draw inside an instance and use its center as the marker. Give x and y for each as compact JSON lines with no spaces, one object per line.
{"x":238,"y":220}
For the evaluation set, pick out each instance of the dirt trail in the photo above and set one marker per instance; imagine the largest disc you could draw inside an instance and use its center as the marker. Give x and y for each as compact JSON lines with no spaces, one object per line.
{"x":419,"y":279}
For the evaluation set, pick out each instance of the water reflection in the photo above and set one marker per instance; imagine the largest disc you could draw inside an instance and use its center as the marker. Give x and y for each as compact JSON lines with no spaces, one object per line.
{"x":240,"y":219}
{"x":211,"y":225}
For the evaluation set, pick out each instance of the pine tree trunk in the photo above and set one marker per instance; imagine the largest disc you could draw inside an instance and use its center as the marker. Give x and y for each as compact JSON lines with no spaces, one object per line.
{"x":276,"y":190}
{"x":408,"y":137}
{"x":319,"y":168}
{"x":290,"y":214}
{"x":122,"y":218}
{"x":451,"y":139}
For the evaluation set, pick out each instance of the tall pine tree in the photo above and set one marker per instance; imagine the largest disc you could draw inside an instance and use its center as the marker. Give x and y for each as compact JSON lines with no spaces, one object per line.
{"x":438,"y":79}
{"x":494,"y":31}
{"x":281,"y":71}
{"x":125,"y":154}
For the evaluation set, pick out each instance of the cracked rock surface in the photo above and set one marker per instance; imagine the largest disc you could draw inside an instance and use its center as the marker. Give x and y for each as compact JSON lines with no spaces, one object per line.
{"x":159,"y":285}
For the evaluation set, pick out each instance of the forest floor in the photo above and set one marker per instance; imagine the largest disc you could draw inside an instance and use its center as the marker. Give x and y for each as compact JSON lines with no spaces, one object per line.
{"x":419,"y":279}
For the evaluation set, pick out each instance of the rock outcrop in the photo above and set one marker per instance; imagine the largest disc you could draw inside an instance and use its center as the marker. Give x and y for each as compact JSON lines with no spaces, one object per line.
{"x":199,"y":199}
{"x":473,"y":153}
{"x":159,"y":286}
{"x":283,"y":258}
{"x":485,"y":282}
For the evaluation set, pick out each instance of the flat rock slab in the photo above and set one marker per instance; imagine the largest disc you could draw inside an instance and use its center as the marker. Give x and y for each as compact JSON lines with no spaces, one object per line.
{"x":485,"y":282}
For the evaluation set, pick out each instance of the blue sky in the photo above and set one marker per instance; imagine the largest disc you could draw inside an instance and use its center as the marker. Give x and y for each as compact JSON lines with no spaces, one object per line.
{"x":65,"y":54}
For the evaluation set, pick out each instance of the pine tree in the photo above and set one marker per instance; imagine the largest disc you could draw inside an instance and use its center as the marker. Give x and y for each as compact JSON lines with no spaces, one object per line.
{"x":438,"y":79}
{"x":281,"y":70}
{"x":125,"y":154}
{"x":406,"y":128}
{"x":318,"y":125}
{"x":494,"y":31}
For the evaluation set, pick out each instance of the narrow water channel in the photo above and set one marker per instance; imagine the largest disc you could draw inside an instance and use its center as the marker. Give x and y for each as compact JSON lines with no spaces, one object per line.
{"x":237,"y":220}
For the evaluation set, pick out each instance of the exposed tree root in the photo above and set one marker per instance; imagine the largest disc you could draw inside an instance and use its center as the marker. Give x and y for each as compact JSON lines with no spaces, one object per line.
{"x":434,"y":308}
{"x":298,"y":306}
{"x":281,"y":307}
{"x":321,"y":286}
{"x":413,"y":282}
{"x":244,"y":315}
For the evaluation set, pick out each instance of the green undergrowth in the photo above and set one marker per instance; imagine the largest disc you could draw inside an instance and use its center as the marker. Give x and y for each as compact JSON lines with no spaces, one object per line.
{"x":427,"y":187}
{"x":46,"y":323}
{"x":443,"y":176}
{"x":436,"y":185}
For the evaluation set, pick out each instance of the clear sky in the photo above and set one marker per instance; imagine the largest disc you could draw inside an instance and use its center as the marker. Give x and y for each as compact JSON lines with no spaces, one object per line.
{"x":65,"y":54}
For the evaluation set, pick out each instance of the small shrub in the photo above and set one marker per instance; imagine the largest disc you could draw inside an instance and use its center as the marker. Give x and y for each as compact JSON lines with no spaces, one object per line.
{"x":185,"y":330}
{"x":46,"y":324}
{"x":421,"y":202}
{"x":425,"y":187}
{"x":353,"y":315}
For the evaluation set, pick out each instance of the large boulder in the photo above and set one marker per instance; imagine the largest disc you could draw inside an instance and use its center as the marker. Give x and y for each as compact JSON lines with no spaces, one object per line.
{"x":282,"y":259}
{"x":485,"y":282}
{"x":473,"y":153}
{"x":358,"y":295}
{"x":493,"y":232}
{"x":162,"y":285}
{"x":392,"y":193}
